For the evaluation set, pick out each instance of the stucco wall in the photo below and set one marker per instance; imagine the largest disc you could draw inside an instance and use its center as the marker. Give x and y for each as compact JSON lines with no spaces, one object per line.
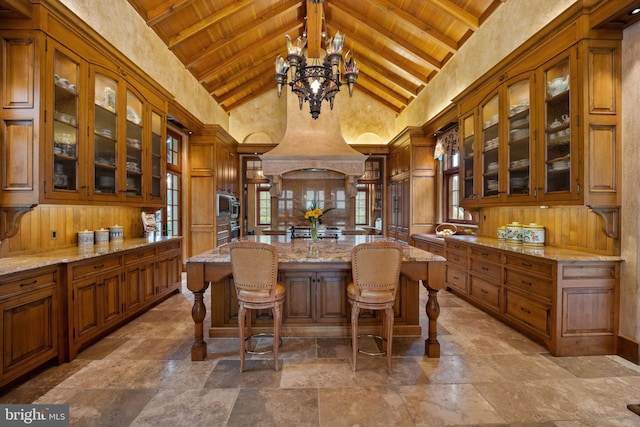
{"x":508,"y":27}
{"x":119,"y":23}
{"x":630,"y":220}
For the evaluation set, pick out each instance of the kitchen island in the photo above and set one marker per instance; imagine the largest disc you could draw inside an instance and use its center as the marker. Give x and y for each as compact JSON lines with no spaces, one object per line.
{"x":316,"y":275}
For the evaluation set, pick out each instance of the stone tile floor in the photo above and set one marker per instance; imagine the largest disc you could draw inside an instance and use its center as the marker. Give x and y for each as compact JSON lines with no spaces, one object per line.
{"x":487,"y":375}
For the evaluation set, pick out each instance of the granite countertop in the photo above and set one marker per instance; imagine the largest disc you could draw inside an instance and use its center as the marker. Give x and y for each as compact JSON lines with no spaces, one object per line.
{"x":14,"y":264}
{"x":322,"y":251}
{"x":546,"y":252}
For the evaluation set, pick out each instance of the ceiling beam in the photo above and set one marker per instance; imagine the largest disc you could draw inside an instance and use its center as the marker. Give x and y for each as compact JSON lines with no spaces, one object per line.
{"x":315,"y":12}
{"x":379,"y":99}
{"x":389,"y":59}
{"x":245,"y":99}
{"x":379,"y":87}
{"x":231,"y":80}
{"x":209,"y":21}
{"x":417,"y":54}
{"x":165,"y":10}
{"x":264,"y":80}
{"x":457,"y":13}
{"x":384,"y":77}
{"x":238,"y":33}
{"x":414,"y":24}
{"x":204,"y":76}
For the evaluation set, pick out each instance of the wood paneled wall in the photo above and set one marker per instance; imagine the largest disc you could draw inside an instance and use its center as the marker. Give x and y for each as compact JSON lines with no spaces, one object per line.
{"x":37,"y":226}
{"x":571,"y":227}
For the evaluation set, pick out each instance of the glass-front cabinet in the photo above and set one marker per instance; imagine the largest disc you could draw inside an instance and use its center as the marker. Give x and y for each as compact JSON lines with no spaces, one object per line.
{"x":105,"y":137}
{"x":519,"y":141}
{"x":157,"y":158}
{"x":64,"y":169}
{"x":490,"y":147}
{"x":560,"y":159}
{"x":134,"y":165}
{"x":468,"y":156}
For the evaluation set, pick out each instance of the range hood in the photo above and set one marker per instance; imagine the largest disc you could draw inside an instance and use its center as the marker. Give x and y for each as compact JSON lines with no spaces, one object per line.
{"x":310,"y":144}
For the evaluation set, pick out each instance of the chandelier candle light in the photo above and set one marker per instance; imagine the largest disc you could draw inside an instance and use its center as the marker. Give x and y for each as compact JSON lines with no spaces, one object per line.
{"x":315,"y":83}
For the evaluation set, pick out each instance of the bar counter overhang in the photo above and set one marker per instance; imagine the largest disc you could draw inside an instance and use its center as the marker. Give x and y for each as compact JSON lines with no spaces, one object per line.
{"x":315,"y":275}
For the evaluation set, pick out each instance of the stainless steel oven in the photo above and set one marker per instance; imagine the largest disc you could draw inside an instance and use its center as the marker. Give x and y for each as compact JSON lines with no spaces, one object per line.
{"x":235,"y":231}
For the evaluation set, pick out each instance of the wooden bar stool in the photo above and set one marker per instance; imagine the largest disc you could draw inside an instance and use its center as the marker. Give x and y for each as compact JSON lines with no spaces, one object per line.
{"x":254,"y":266}
{"x":376,"y":274}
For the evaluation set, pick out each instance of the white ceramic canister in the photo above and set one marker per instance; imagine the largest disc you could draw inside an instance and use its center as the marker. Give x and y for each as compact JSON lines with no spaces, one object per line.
{"x":502,"y":232}
{"x":533,"y":235}
{"x":85,"y":238}
{"x":514,"y":232}
{"x":101,"y":236}
{"x":116,"y":233}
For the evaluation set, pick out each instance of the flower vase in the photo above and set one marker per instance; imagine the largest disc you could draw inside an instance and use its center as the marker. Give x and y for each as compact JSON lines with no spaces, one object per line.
{"x":314,"y":230}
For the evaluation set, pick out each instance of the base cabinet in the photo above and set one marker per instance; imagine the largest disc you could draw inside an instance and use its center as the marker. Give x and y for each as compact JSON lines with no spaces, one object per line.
{"x":106,"y":292}
{"x":569,"y":305}
{"x":29,"y":322}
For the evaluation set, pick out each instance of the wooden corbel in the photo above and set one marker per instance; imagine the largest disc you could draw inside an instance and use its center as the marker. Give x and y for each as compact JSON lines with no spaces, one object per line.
{"x":10,"y":219}
{"x":611,"y":219}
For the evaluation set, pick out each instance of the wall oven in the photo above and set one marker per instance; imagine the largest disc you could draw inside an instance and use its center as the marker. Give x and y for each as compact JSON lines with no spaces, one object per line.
{"x":228,"y":205}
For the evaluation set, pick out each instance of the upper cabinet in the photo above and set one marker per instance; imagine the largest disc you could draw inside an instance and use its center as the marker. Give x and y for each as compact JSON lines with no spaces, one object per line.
{"x":82,"y":124}
{"x":546,"y":130}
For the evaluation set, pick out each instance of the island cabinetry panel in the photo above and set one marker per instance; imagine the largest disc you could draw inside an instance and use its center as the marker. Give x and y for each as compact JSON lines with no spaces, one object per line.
{"x":437,"y":270}
{"x":569,"y":305}
{"x":29,"y":322}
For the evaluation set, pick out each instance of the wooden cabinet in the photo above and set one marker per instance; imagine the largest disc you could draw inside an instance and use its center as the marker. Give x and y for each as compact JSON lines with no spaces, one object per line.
{"x":570,"y":306}
{"x":213,"y":164}
{"x":411,"y":185}
{"x":546,"y":130}
{"x":437,"y":270}
{"x":29,"y":322}
{"x":105,"y":292}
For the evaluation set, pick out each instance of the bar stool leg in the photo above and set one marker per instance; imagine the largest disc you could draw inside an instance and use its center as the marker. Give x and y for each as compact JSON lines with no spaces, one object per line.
{"x":355,"y":314}
{"x":277,"y":324}
{"x":242,"y":315}
{"x":388,"y":325}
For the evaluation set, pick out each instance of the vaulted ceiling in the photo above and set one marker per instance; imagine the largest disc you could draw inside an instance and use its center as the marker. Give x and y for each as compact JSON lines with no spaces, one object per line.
{"x":230,"y":45}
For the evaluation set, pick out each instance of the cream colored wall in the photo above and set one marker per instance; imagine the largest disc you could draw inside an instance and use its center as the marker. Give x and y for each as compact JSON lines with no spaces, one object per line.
{"x":630,"y":220}
{"x":508,"y":27}
{"x":264,"y":119}
{"x":119,"y":23}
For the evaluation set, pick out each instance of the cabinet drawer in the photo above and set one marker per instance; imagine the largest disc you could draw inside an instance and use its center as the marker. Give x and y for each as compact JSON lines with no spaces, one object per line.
{"x":457,"y":278}
{"x":166,"y":248}
{"x":436,"y":250}
{"x":28,"y":281}
{"x":139,"y":255}
{"x":486,"y":255}
{"x":457,"y":258}
{"x":456,"y":246}
{"x":489,"y":269}
{"x":532,"y":313}
{"x":529,"y":265}
{"x":95,"y":267}
{"x":527,"y":283}
{"x":484,"y":291}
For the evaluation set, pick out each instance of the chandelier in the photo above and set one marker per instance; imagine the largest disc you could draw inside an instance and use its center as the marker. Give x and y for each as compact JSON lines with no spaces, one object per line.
{"x":312,"y":81}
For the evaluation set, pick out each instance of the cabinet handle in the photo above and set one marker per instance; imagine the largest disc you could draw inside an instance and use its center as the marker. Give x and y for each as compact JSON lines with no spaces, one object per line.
{"x":485,"y":269}
{"x":95,"y":267}
{"x":456,"y":277}
{"x":483,"y":291}
{"x":525,"y":264}
{"x":484,"y":254}
{"x":526,"y":283}
{"x":29,"y":284}
{"x":525,"y":310}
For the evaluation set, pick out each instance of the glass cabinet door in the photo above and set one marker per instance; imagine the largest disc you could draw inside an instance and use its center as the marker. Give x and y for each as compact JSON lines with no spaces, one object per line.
{"x":156,"y":155}
{"x":66,"y":166}
{"x":105,"y":137}
{"x":557,"y":128}
{"x":468,"y":156}
{"x":519,"y":142}
{"x":134,"y":163}
{"x":490,"y":147}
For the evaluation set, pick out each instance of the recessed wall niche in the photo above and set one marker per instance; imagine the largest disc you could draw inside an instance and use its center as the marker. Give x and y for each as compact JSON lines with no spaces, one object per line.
{"x":301,"y":188}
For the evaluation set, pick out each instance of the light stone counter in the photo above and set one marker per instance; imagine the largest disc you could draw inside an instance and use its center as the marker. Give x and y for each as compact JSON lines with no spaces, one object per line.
{"x":14,"y":264}
{"x":545,"y":252}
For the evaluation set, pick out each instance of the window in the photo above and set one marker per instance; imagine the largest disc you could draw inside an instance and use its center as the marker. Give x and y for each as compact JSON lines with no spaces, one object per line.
{"x":263,"y":204}
{"x":174,"y":175}
{"x":451,"y":178}
{"x":362,"y":202}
